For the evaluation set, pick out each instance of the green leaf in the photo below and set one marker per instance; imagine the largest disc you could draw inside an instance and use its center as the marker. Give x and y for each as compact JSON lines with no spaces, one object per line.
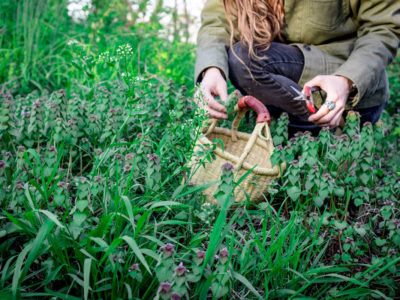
{"x":79,"y":218}
{"x":364,"y":178}
{"x":81,"y":205}
{"x":380,"y":242}
{"x":319,"y":201}
{"x":339,"y":191}
{"x":247,"y":283}
{"x":131,"y":242}
{"x":294,"y":192}
{"x":386,"y":213}
{"x":86,"y":277}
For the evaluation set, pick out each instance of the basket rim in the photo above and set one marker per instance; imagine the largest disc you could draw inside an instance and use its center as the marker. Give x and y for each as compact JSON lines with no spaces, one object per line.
{"x":234,"y":158}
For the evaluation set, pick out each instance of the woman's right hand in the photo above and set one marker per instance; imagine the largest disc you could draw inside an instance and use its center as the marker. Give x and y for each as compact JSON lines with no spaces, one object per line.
{"x":213,"y":84}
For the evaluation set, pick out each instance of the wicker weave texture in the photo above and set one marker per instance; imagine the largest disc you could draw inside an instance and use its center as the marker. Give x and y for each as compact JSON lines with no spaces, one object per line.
{"x":245,"y":151}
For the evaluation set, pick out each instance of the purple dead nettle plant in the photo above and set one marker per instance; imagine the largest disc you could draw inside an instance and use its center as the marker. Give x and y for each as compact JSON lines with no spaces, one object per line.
{"x":134,"y":267}
{"x":175,"y":296}
{"x":127,"y":168}
{"x":168,"y":250}
{"x":154,"y":158}
{"x":181,"y":270}
{"x":223,"y":255}
{"x":227,"y":167}
{"x":165,"y":288}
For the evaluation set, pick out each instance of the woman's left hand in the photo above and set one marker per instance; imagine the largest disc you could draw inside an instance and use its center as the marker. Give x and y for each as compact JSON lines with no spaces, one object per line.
{"x":337,"y":89}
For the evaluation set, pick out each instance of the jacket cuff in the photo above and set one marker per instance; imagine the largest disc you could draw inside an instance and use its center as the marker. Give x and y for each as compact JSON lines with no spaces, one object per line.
{"x":211,"y":58}
{"x":359,"y":85}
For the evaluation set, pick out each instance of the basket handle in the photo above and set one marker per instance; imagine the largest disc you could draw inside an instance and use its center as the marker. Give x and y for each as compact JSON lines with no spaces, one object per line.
{"x":256,"y":105}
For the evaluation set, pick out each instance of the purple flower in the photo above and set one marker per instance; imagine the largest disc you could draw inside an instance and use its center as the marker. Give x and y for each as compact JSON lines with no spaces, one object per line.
{"x":326,"y":128}
{"x":151,"y":123}
{"x":357,"y":137}
{"x":84,"y":140}
{"x":349,"y":240}
{"x":227,"y":166}
{"x":127,"y":168}
{"x":97,"y":178}
{"x":181,"y":270}
{"x":389,"y":203}
{"x":223,"y":253}
{"x":62,"y":184}
{"x":19,"y":186}
{"x":165,"y":288}
{"x":129,"y":156}
{"x":397,"y":222}
{"x":201,"y":254}
{"x":392,"y":252}
{"x":21,"y":149}
{"x":98,"y":151}
{"x":315,"y":167}
{"x":52,"y":148}
{"x":168,"y":250}
{"x":344,"y":137}
{"x":175,"y":296}
{"x":368,"y":124}
{"x":117,"y":156}
{"x":279,"y":147}
{"x":154,"y":158}
{"x":112,"y":111}
{"x":134,"y":267}
{"x":7,"y":154}
{"x":3,"y":164}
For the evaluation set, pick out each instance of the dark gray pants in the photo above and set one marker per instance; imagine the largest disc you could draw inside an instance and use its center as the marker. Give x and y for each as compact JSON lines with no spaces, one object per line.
{"x":273,"y":78}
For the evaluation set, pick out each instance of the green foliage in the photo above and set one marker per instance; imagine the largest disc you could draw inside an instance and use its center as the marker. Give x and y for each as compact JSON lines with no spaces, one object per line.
{"x":44,"y":48}
{"x":394,"y":82}
{"x":93,"y":204}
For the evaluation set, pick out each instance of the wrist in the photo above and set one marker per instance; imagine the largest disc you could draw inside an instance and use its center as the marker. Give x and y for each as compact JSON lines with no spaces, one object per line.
{"x":351,"y":87}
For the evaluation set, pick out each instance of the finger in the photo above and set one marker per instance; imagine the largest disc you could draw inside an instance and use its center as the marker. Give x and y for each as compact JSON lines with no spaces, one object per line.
{"x":334,"y":122}
{"x":329,"y":116}
{"x":316,"y":81}
{"x":319,"y":114}
{"x":216,"y":106}
{"x":222,"y":92}
{"x":213,"y":114}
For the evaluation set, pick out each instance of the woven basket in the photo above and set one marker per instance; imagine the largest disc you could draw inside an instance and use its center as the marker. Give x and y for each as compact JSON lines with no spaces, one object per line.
{"x":245,"y":151}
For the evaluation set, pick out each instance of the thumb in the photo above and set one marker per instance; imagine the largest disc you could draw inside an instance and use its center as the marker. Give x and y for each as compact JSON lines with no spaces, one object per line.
{"x":317,"y":81}
{"x":222,"y":91}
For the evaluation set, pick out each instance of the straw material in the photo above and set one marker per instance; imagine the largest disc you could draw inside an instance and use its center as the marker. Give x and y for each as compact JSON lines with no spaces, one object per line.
{"x":245,"y":151}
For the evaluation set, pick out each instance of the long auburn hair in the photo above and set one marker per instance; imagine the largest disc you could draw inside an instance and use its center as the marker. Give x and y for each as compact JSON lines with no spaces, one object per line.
{"x":259,"y":22}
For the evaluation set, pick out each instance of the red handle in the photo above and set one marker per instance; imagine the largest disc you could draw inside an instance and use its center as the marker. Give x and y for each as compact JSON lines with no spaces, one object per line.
{"x":256,"y":105}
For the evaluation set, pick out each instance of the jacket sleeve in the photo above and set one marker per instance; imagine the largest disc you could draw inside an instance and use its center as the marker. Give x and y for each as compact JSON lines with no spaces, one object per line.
{"x":213,"y":39}
{"x":376,"y":46}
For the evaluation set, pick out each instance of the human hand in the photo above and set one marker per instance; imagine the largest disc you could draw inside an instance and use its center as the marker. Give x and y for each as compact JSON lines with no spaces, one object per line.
{"x":213,"y":84}
{"x":337,"y":89}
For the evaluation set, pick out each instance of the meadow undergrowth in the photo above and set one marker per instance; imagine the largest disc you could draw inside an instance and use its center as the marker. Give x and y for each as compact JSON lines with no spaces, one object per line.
{"x":94,"y":204}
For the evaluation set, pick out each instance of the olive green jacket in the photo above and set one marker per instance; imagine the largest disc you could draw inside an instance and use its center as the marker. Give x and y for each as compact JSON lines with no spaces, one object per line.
{"x":357,"y":39}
